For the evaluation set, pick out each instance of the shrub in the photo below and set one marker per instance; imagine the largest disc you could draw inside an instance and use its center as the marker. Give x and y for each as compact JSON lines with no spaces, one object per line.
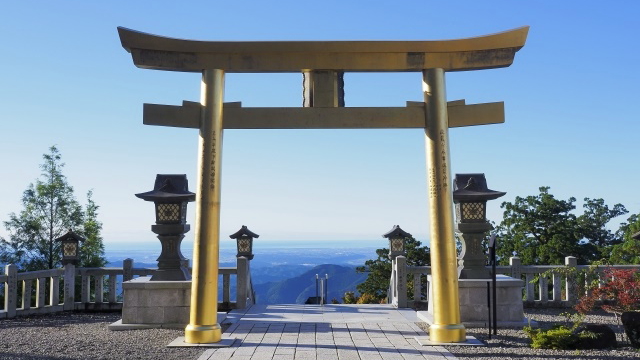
{"x":349,"y":298}
{"x":559,"y":337}
{"x":619,"y":292}
{"x":367,"y":298}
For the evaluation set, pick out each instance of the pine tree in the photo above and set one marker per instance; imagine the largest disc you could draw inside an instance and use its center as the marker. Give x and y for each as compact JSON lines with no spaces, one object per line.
{"x":50,"y":209}
{"x":92,"y":249}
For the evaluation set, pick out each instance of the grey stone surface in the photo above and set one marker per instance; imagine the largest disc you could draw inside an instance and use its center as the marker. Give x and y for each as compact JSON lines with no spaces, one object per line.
{"x":224,"y":342}
{"x":341,"y":332}
{"x":156,"y":302}
{"x":473,"y":302}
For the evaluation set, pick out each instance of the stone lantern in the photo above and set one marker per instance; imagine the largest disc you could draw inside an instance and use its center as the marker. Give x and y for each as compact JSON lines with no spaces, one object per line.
{"x":397,"y":241}
{"x":244,"y":238}
{"x":470,"y":195}
{"x":70,"y":247}
{"x":170,"y":195}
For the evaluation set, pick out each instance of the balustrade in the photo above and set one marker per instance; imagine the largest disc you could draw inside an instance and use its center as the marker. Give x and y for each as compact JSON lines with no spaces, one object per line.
{"x":46,"y":291}
{"x":543,"y":287}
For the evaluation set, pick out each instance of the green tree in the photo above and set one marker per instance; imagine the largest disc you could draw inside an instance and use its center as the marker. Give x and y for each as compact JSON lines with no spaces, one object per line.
{"x":542,"y":229}
{"x":50,"y":209}
{"x":379,"y":270}
{"x":92,"y":249}
{"x":597,"y":240}
{"x":628,"y":251}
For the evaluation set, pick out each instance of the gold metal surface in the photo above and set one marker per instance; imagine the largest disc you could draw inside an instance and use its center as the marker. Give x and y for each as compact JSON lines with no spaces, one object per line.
{"x":203,"y":326}
{"x":236,"y":117}
{"x":446,"y":326}
{"x":162,"y":53}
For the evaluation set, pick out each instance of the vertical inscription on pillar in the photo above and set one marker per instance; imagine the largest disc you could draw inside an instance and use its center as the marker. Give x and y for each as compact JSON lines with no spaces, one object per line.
{"x":443,"y":154}
{"x":433,"y":182}
{"x":212,"y":179}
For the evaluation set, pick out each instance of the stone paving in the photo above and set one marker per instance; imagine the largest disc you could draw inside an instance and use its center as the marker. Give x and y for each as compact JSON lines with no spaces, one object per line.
{"x":329,"y":332}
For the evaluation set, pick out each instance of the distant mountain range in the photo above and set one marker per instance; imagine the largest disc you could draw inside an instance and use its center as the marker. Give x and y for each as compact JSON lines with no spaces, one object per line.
{"x":296,"y":290}
{"x":282,"y":274}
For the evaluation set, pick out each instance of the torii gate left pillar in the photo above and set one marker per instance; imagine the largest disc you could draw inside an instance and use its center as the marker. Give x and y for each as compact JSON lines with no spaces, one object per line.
{"x":206,"y":246}
{"x":435,"y":115}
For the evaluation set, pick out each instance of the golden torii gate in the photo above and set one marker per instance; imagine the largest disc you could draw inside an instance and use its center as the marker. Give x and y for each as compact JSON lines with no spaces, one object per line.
{"x":322,"y":62}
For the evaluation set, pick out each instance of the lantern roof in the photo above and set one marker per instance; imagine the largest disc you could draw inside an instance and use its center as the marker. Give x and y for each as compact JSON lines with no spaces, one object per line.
{"x":168,"y":188}
{"x":396,"y":231}
{"x":244,"y":231}
{"x":70,"y":235}
{"x":473,"y":187}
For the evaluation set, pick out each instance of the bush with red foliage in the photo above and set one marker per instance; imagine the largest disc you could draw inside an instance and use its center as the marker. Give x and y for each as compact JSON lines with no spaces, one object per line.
{"x":619,"y":292}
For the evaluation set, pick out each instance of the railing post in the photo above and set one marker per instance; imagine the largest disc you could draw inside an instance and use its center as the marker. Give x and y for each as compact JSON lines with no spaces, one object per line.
{"x":112,"y":288}
{"x":391,"y":292}
{"x":127,"y":270}
{"x":543,"y":286}
{"x":226,"y":289}
{"x":242,"y":277}
{"x":85,"y":288}
{"x":98,"y":282}
{"x":40,"y":292}
{"x":26,"y":294}
{"x":54,"y":291}
{"x":530,"y":292}
{"x":69,"y":286}
{"x":557,"y":288}
{"x":515,"y":263}
{"x":401,"y":280}
{"x":417,"y":287}
{"x":572,"y":280}
{"x":11,"y":290}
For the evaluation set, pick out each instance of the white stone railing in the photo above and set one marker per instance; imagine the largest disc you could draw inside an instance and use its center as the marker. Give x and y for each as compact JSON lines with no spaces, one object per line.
{"x":46,"y":291}
{"x":245,"y":295}
{"x":543,"y":286}
{"x":400,"y":272}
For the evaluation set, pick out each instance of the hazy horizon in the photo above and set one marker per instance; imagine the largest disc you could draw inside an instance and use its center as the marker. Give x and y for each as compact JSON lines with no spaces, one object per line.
{"x":257,"y":244}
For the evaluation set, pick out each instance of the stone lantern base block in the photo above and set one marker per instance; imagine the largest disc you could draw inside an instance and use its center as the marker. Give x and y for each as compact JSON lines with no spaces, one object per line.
{"x":148,"y":304}
{"x":473,"y":303}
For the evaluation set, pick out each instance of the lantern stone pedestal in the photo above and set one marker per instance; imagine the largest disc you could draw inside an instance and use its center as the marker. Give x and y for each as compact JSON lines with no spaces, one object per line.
{"x":172,"y":265}
{"x":149,"y":303}
{"x":155,"y":304}
{"x":473,"y":303}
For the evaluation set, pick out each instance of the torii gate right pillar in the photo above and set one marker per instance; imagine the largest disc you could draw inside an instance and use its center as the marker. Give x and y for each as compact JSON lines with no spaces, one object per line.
{"x":446,"y":326}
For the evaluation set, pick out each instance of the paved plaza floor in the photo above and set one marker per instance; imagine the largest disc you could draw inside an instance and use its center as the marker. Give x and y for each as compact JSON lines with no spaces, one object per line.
{"x":328,"y":332}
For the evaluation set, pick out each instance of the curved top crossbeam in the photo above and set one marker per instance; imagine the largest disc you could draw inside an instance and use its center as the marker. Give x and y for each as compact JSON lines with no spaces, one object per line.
{"x":163,"y":53}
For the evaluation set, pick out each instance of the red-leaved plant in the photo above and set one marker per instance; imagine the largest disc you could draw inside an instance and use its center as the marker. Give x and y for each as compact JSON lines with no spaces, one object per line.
{"x":619,"y":292}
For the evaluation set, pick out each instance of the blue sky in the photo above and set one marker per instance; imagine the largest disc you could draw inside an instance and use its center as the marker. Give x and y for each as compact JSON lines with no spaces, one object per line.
{"x":570,"y":97}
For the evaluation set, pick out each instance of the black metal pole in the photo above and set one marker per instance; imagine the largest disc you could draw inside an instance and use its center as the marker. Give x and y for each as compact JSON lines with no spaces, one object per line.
{"x":317,"y":294}
{"x":494,"y":275}
{"x":489,"y":309}
{"x":495,"y":302}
